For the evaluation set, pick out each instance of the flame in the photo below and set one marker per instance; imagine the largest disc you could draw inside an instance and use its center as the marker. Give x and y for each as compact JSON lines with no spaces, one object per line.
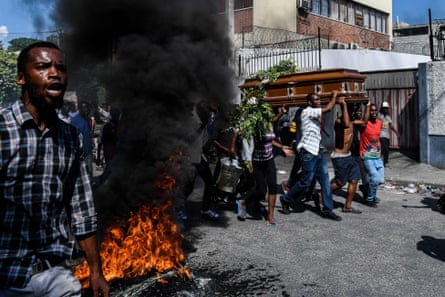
{"x":149,"y":241}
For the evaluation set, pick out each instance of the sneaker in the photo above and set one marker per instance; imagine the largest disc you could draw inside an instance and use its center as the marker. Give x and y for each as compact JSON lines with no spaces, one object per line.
{"x":210,"y":215}
{"x":284,"y":205}
{"x":330,"y":215}
{"x":371,"y":203}
{"x":285,"y":186}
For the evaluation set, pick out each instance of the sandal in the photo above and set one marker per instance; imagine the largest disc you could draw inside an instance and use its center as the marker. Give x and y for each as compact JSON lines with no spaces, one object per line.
{"x":351,"y":210}
{"x":242,"y":214}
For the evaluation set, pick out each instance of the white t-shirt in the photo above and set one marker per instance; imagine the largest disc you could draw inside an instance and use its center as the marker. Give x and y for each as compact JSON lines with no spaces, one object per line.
{"x":310,"y":130}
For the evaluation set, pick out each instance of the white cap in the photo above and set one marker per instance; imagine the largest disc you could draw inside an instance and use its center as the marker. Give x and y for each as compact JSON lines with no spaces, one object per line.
{"x":385,"y":104}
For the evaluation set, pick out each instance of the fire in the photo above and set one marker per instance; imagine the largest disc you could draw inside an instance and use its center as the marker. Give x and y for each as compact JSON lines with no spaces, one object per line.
{"x":148,"y":242}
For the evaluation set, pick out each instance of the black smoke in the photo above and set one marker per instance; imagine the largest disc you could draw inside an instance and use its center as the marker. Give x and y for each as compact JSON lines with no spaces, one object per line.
{"x":156,"y":60}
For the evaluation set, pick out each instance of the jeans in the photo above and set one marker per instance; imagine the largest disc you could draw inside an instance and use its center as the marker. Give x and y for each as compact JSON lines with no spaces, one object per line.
{"x":312,"y":165}
{"x":56,"y":281}
{"x":384,"y":142}
{"x":376,"y":176}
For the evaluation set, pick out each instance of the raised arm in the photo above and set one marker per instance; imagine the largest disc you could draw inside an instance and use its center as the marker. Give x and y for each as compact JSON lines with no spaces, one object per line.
{"x":331,"y":103}
{"x":346,"y":121}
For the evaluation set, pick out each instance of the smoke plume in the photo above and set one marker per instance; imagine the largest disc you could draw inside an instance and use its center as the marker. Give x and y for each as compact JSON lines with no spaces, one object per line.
{"x":156,"y":59}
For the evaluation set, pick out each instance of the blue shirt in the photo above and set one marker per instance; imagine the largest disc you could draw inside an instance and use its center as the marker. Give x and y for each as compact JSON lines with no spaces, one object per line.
{"x":82,"y":125}
{"x":43,"y":183}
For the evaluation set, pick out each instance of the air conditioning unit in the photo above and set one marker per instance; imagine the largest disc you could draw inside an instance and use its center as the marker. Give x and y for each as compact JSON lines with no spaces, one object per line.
{"x":353,"y":45}
{"x":306,"y":5}
{"x":338,"y":45}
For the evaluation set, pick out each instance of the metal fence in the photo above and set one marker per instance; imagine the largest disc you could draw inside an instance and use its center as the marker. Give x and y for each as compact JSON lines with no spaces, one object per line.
{"x":263,"y":48}
{"x":306,"y":55}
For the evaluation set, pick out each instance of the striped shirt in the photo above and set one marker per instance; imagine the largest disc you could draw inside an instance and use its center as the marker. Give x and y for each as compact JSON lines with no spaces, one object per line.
{"x":42,"y":178}
{"x":263,"y":149}
{"x":310,"y":130}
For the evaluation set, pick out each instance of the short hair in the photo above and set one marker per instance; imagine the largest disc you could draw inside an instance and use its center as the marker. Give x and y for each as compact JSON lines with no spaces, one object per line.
{"x":23,"y":56}
{"x":308,"y":97}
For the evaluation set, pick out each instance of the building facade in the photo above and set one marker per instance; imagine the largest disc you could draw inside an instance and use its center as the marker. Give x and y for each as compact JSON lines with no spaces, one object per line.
{"x":424,"y":39}
{"x":343,"y":23}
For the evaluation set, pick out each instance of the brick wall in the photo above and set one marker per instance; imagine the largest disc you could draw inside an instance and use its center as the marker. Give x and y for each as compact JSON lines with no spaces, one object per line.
{"x":340,"y":32}
{"x":243,"y":21}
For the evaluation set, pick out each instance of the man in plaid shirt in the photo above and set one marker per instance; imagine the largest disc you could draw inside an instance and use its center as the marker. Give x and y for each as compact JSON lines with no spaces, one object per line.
{"x":44,"y":186}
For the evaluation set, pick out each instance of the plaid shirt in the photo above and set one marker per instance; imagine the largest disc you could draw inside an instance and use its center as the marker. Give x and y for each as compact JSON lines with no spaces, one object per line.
{"x":43,"y":178}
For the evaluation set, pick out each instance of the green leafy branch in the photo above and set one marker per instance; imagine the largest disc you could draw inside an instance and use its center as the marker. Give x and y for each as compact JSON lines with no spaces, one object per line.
{"x":253,"y":116}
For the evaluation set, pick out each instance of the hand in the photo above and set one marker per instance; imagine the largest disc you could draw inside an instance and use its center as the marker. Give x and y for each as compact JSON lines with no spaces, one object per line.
{"x":99,"y":286}
{"x":341,"y":100}
{"x":334,"y":93}
{"x":288,"y":151}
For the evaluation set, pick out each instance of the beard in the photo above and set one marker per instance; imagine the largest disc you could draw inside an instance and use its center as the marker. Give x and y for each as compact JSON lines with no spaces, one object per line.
{"x":45,"y":106}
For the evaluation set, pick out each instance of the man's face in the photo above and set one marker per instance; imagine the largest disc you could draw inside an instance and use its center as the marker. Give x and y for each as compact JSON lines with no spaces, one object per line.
{"x":373,"y":112}
{"x":315,"y":101}
{"x":44,"y":79}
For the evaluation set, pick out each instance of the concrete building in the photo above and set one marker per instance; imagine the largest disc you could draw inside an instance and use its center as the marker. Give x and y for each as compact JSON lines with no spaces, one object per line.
{"x":343,"y":23}
{"x":425,"y":39}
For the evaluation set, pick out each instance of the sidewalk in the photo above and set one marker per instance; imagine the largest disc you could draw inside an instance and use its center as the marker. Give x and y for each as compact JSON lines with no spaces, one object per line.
{"x":400,"y":169}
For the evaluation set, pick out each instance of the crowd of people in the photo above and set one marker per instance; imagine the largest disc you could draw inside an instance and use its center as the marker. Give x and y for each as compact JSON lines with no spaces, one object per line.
{"x":39,"y":144}
{"x":357,"y":158}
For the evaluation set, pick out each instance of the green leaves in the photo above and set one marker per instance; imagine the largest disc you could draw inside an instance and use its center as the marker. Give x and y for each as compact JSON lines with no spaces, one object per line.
{"x":285,"y":67}
{"x":9,"y":90}
{"x":253,"y":117}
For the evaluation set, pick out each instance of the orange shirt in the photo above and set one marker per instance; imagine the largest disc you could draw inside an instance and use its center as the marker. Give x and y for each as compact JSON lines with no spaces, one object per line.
{"x":370,"y":147}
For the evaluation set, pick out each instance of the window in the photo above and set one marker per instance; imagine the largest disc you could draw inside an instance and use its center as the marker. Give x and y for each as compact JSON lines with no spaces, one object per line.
{"x":359,"y":16}
{"x":351,"y":14}
{"x":334,"y":9}
{"x":366,"y":17}
{"x":241,"y":4}
{"x":384,"y":25}
{"x":343,"y":11}
{"x":325,"y":8}
{"x":372,"y":20}
{"x":316,"y":6}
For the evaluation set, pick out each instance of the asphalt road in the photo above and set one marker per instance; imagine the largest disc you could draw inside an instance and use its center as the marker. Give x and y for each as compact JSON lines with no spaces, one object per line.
{"x":396,"y":249}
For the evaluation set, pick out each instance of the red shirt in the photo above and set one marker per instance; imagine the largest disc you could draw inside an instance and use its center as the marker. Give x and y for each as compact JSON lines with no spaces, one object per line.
{"x":370,"y":147}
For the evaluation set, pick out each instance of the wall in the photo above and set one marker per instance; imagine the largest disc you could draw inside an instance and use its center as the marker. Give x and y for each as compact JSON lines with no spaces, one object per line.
{"x":277,"y":14}
{"x":414,"y":44}
{"x":431,"y":80}
{"x":337,"y":31}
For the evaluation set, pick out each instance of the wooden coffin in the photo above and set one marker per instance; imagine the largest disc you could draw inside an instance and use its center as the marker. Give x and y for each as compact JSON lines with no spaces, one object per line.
{"x":292,"y":89}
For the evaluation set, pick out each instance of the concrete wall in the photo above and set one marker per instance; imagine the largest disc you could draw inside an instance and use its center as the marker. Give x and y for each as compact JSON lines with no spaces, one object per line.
{"x":415,"y":44}
{"x":277,"y":14}
{"x":431,"y":79}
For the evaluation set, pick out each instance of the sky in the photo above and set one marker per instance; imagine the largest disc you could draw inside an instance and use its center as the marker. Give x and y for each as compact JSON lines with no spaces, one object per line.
{"x":16,"y":18}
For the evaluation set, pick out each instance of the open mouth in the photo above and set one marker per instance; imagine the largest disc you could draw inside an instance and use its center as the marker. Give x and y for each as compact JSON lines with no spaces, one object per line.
{"x":55,"y":89}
